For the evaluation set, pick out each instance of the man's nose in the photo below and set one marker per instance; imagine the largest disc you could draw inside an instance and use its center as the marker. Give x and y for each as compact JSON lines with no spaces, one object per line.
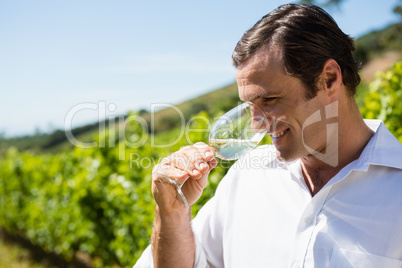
{"x":260,"y":121}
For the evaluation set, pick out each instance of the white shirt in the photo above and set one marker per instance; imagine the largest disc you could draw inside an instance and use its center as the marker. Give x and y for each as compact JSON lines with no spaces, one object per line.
{"x":263,"y":214}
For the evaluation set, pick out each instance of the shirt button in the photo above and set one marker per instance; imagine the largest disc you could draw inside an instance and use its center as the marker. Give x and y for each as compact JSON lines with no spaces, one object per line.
{"x":307,"y":220}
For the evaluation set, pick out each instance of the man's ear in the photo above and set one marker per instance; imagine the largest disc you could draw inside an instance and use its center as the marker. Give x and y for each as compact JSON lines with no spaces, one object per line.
{"x":331,"y":77}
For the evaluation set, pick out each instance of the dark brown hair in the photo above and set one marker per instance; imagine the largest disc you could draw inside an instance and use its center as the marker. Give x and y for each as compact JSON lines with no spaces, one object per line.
{"x":308,"y":36}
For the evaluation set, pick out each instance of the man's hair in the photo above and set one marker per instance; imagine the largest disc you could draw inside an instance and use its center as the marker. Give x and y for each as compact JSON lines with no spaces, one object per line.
{"x":307,"y":37}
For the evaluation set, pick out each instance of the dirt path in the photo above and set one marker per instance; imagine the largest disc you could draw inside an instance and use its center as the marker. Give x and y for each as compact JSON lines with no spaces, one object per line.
{"x":13,"y":256}
{"x":382,"y":63}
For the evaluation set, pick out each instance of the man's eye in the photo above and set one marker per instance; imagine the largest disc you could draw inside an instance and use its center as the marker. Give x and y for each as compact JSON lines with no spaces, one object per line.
{"x":269,"y":99}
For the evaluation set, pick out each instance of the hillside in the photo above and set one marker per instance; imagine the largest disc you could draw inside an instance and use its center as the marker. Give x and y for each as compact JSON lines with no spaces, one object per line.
{"x":378,"y":42}
{"x":379,"y":50}
{"x":379,"y":64}
{"x":217,"y":100}
{"x":213,"y":102}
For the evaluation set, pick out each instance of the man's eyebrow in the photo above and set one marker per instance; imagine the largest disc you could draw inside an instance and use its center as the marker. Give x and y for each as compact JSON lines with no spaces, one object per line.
{"x":259,"y":96}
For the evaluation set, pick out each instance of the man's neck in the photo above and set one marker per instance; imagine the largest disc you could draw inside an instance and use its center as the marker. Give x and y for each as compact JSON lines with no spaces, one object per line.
{"x":353,"y":137}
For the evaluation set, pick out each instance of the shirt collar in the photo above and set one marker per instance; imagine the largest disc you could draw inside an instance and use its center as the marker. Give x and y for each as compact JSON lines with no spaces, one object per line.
{"x":383,"y":148}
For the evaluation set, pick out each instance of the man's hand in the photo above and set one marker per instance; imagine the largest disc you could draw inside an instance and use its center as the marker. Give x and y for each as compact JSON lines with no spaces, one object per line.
{"x":190,"y":165}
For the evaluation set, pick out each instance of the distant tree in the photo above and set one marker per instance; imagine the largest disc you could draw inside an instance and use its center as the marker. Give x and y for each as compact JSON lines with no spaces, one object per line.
{"x":143,"y":111}
{"x":57,"y":137}
{"x":195,"y":108}
{"x":324,"y":3}
{"x":398,"y":10}
{"x":336,"y":3}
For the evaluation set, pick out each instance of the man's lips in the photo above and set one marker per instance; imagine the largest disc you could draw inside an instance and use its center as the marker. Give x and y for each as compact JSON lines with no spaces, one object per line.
{"x":279,"y":133}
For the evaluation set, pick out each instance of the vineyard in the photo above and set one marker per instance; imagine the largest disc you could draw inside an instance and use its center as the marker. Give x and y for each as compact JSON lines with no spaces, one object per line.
{"x":97,"y":202}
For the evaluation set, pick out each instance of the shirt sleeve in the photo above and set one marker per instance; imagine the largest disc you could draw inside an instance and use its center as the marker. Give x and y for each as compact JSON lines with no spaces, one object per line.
{"x":200,"y":258}
{"x":208,"y":226}
{"x":145,"y":261}
{"x":208,"y":244}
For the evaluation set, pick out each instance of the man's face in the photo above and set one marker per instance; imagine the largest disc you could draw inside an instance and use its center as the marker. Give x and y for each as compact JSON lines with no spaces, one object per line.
{"x":263,"y":81}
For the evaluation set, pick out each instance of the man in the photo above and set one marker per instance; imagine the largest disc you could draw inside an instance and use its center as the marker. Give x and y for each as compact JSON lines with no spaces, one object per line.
{"x":326,"y":195}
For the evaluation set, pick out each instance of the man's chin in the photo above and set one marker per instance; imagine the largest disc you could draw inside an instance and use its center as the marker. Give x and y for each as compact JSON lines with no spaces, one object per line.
{"x":284,"y":157}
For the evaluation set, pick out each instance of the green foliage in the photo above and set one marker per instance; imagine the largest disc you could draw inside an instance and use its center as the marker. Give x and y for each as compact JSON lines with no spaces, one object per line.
{"x":98,"y":200}
{"x":361,"y":92}
{"x":384,"y":100}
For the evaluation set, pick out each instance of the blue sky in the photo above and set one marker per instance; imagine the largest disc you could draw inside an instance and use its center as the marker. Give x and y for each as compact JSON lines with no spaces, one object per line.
{"x":55,"y":55}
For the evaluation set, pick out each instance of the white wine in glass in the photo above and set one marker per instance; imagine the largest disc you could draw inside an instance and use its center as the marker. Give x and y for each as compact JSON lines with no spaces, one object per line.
{"x":231,"y":149}
{"x":234,"y":134}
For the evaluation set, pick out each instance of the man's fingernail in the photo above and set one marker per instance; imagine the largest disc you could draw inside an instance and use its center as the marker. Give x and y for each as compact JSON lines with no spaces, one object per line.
{"x":208,"y":154}
{"x":203,"y":165}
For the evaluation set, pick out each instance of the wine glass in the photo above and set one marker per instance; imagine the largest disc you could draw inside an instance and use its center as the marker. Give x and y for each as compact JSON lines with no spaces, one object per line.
{"x":233,"y":135}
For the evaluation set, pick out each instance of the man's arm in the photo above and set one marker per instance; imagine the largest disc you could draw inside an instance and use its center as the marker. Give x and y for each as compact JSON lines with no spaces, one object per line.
{"x":173,"y":242}
{"x":172,"y":239}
